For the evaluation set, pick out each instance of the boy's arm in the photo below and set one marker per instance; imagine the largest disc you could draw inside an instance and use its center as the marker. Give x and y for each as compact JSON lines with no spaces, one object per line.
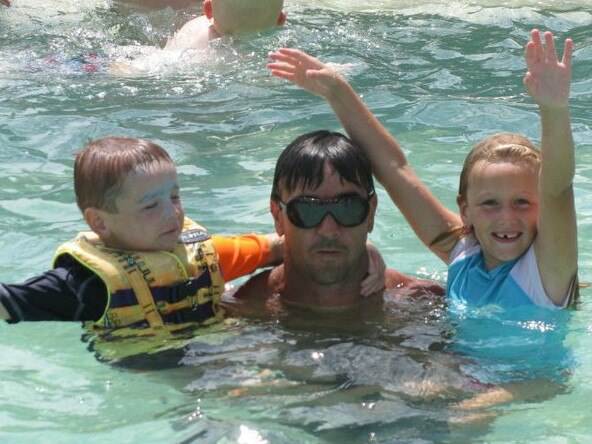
{"x":242,"y":255}
{"x":548,"y":83}
{"x":60,"y":294}
{"x":426,"y":215}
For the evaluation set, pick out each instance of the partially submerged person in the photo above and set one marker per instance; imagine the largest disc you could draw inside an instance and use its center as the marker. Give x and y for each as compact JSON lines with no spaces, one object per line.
{"x":323,"y":204}
{"x":144,"y":269}
{"x":227,"y":18}
{"x":515,"y":240}
{"x":221,"y":18}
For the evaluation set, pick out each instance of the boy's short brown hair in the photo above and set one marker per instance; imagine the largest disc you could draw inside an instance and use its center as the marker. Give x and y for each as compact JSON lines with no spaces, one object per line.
{"x":102,"y":166}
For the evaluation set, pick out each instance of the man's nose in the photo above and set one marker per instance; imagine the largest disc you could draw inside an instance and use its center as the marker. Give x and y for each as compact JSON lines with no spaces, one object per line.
{"x":328,"y":226}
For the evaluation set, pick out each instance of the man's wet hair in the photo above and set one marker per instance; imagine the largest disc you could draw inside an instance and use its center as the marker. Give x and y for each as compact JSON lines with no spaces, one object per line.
{"x":302,"y":161}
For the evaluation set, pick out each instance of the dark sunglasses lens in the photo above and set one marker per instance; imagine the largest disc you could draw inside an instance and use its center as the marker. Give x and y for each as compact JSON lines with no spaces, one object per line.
{"x":349,"y":211}
{"x":305,"y":214}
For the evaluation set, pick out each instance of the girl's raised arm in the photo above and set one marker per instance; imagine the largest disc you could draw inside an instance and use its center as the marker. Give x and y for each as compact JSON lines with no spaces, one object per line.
{"x":428,"y":217}
{"x":548,"y":82}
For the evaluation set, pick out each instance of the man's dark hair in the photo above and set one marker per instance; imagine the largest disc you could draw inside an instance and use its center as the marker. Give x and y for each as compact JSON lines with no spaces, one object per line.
{"x":301,"y":163}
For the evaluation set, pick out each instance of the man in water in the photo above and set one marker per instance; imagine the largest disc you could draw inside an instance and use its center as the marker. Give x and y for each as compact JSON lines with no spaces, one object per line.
{"x":323,"y":202}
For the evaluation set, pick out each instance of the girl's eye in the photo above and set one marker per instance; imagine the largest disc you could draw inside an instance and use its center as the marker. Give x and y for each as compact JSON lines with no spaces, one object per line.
{"x":522,"y":202}
{"x":151,"y":206}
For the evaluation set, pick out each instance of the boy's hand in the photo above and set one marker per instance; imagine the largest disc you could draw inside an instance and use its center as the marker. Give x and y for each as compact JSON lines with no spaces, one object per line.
{"x":547,"y":80}
{"x":375,"y":279}
{"x":304,"y":70}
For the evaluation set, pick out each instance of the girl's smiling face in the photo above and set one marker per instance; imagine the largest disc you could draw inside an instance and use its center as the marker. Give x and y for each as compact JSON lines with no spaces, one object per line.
{"x":501,"y":206}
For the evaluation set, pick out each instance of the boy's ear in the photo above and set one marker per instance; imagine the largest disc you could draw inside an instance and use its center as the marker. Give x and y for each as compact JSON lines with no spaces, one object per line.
{"x":95,"y":220}
{"x":282,"y":18}
{"x":207,"y":9}
{"x":276,"y":212}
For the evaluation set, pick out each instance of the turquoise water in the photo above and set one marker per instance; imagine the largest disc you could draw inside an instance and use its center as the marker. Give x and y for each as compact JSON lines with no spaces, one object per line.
{"x":440,"y":76}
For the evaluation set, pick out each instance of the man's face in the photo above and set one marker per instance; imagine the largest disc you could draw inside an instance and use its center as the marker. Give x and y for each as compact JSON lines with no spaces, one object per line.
{"x":328,"y":253}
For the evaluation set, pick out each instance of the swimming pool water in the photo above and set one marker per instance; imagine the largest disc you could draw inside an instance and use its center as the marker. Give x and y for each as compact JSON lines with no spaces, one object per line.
{"x":440,"y":76}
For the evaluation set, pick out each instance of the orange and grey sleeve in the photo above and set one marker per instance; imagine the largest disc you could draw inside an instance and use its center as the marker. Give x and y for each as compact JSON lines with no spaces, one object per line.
{"x":241,"y":255}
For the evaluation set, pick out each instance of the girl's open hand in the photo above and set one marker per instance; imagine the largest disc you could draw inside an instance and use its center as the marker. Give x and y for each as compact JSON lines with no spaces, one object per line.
{"x":303,"y":70}
{"x":547,"y":80}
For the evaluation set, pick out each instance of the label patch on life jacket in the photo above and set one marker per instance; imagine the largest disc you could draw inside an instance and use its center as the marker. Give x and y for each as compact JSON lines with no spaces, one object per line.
{"x":193,"y":236}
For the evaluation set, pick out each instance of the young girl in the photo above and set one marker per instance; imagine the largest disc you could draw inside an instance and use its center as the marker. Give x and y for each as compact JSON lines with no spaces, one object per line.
{"x":515,"y":239}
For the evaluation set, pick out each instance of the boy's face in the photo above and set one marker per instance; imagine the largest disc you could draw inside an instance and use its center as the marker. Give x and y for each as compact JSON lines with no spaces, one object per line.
{"x":150,"y":214}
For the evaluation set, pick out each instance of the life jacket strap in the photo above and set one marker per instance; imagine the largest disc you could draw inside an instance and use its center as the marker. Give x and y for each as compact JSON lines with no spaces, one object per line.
{"x":144,"y":295}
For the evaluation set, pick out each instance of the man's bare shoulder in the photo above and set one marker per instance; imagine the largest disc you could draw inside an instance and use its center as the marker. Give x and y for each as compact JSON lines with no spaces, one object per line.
{"x":259,"y":286}
{"x":252,"y":299}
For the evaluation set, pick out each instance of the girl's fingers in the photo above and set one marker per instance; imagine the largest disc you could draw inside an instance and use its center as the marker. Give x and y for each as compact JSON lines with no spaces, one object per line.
{"x":537,"y":45}
{"x":282,"y":74}
{"x":281,"y":66}
{"x":529,"y":54}
{"x":282,"y":58}
{"x":550,"y":50}
{"x":567,"y":52}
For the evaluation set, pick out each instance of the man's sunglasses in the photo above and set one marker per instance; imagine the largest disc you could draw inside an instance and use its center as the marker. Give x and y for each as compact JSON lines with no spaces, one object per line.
{"x":348,"y":210}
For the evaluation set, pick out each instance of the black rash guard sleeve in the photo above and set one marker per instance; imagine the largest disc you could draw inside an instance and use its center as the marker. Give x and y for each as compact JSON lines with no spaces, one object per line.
{"x":73,"y":293}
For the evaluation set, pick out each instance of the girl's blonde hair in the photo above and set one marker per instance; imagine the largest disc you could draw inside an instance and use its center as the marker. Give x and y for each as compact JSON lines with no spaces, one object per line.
{"x":500,"y":147}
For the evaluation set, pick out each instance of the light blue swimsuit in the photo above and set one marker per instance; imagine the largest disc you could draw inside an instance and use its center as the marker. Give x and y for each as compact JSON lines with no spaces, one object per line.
{"x":510,"y":284}
{"x":501,"y":318}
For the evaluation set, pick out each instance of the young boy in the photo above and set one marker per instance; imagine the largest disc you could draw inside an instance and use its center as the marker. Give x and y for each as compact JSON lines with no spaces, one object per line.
{"x":227,"y":17}
{"x":144,"y":268}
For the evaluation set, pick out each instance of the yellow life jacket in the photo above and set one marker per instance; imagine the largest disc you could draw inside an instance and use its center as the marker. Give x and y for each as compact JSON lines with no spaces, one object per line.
{"x":152,"y":293}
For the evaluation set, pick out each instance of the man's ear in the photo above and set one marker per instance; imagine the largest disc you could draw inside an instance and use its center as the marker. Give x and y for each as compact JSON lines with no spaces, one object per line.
{"x":276,"y":212}
{"x":282,"y":18}
{"x":207,"y":9}
{"x":95,"y":220}
{"x":372,"y":212}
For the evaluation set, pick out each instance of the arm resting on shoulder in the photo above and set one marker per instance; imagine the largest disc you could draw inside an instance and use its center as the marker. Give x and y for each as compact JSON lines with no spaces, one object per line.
{"x":242,"y":255}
